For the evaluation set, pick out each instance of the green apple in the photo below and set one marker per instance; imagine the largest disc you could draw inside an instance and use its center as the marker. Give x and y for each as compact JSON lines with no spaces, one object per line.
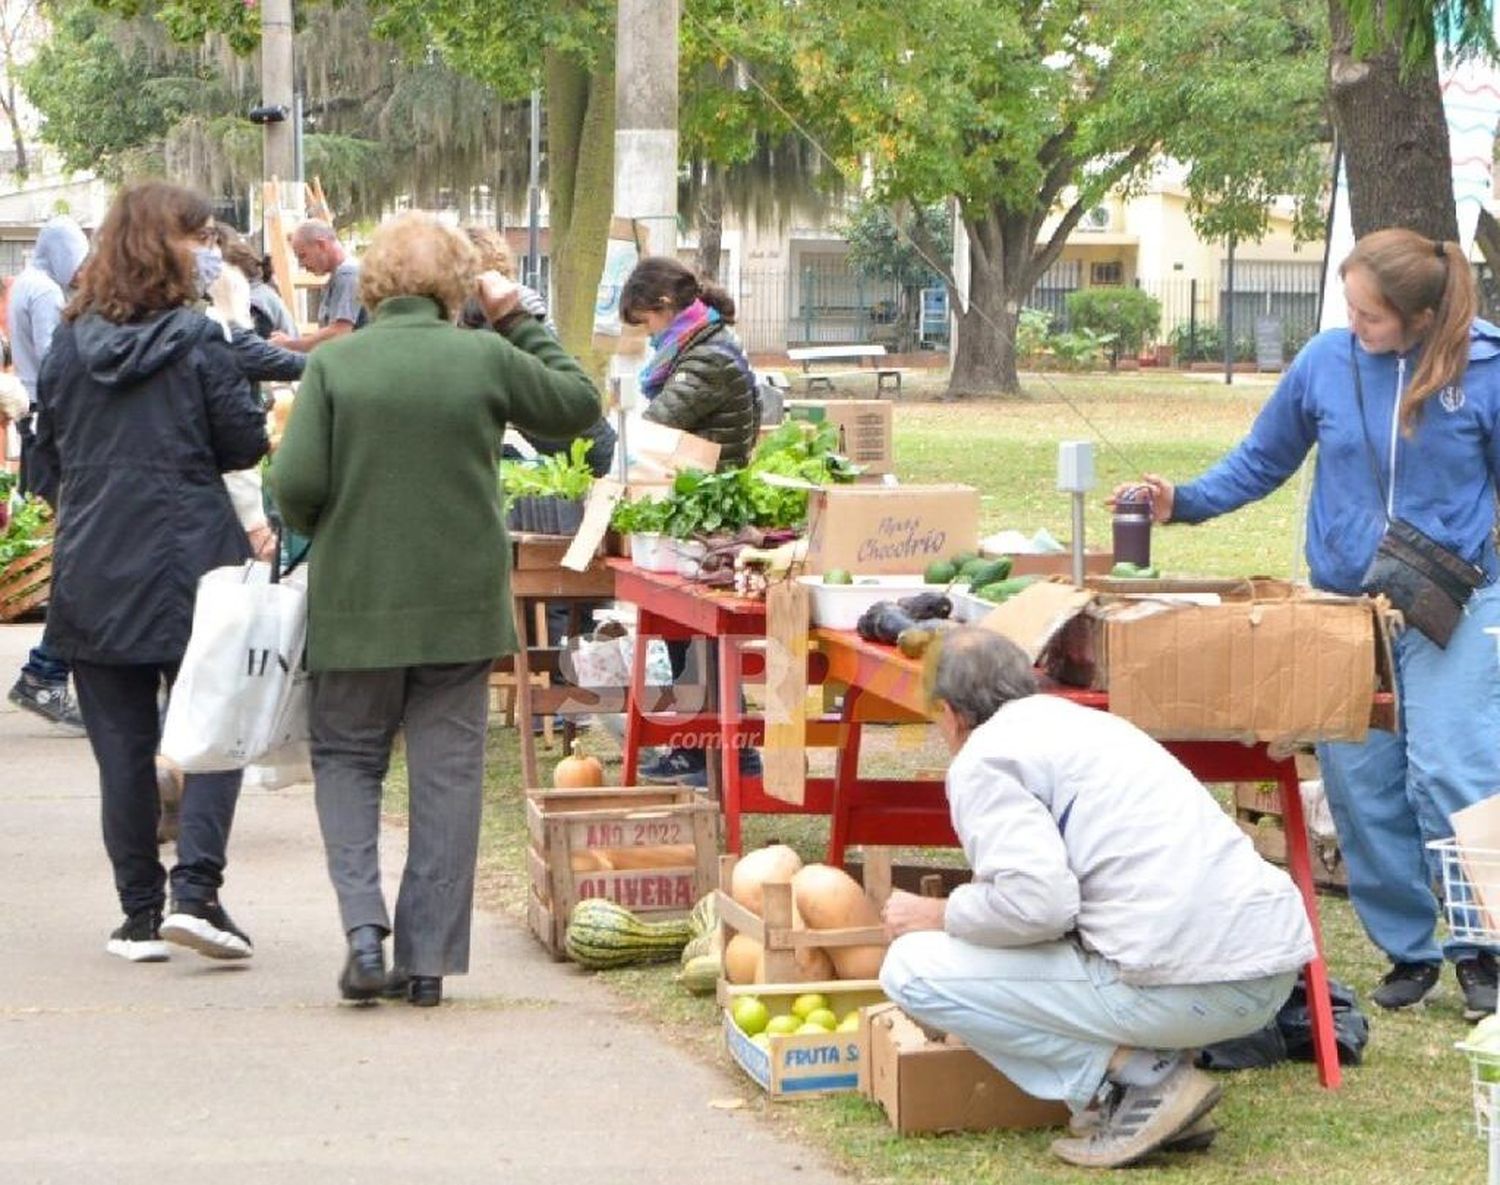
{"x":751,"y":1015}
{"x":809,"y":1027}
{"x":781,"y":1025}
{"x":850,"y":1023}
{"x":824,"y":1018}
{"x":808,"y":1002}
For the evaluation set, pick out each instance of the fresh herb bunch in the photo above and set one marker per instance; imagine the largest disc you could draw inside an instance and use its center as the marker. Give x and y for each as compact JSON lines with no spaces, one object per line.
{"x":709,"y":503}
{"x":645,"y":516}
{"x":29,"y":529}
{"x":562,"y":475}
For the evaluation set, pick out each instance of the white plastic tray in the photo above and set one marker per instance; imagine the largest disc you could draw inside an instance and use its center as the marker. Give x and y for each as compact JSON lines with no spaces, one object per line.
{"x":839,"y":606}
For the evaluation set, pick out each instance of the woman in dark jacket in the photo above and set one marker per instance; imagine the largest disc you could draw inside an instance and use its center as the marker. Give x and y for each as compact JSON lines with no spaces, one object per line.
{"x":142,"y":408}
{"x":698,"y":379}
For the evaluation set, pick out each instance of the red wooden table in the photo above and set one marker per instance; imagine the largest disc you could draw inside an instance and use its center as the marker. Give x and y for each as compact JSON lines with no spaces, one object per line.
{"x":862,"y":816}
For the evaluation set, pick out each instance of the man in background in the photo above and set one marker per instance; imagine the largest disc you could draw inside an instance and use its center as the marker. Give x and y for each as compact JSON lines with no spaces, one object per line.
{"x":35,"y":307}
{"x":319,"y":251}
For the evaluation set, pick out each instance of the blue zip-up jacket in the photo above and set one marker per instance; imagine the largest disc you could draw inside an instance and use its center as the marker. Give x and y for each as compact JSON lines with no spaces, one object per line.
{"x":1444,"y":474}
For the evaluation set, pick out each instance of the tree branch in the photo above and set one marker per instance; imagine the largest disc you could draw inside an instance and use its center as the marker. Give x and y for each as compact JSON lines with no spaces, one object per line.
{"x":1042,"y":259}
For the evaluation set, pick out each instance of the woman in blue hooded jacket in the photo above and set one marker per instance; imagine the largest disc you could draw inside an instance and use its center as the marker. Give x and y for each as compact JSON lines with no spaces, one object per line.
{"x":1403,"y":409}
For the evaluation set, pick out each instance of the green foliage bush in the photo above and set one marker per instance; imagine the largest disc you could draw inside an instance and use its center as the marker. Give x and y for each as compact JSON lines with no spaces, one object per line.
{"x":1127,"y":315}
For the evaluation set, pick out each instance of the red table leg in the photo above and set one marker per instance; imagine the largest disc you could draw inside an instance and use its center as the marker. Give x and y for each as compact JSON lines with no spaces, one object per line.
{"x":633,"y":701}
{"x":845,"y":780}
{"x":730,"y":665}
{"x":1299,"y":864}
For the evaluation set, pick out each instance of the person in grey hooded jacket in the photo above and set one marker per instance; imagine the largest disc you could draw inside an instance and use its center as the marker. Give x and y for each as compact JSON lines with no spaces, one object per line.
{"x":36,"y":304}
{"x":144,"y":408}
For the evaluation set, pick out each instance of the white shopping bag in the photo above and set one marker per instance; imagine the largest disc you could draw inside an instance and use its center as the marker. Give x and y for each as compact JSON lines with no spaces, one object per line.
{"x":241,"y":692}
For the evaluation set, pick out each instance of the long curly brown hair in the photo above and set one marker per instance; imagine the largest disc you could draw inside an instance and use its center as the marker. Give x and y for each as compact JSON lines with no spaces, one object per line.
{"x":134,"y":269}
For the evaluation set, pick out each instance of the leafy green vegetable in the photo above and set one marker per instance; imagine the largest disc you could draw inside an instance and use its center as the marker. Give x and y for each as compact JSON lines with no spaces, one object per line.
{"x":709,"y":503}
{"x":30,"y":527}
{"x":795,"y":451}
{"x":642,"y":517}
{"x":562,"y":475}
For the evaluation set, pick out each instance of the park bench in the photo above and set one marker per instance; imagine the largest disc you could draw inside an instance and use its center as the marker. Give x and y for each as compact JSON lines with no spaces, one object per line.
{"x":860,"y":354}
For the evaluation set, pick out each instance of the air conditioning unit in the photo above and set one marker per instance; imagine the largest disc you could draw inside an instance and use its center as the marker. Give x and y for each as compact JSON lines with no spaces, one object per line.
{"x":1096,"y":219}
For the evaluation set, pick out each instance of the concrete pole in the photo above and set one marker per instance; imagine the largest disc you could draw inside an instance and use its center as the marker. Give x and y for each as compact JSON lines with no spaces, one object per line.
{"x":276,"y":89}
{"x":646,"y":119}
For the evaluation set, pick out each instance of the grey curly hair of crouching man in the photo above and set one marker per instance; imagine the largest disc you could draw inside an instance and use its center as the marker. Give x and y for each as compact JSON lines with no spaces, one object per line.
{"x":977,"y":672}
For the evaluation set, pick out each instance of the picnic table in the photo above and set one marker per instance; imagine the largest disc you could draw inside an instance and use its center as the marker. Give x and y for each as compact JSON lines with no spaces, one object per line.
{"x":859,"y":354}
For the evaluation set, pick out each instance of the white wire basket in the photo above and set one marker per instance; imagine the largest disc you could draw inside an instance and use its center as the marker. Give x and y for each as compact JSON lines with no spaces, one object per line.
{"x":1471,"y":891}
{"x":1484,"y":1076}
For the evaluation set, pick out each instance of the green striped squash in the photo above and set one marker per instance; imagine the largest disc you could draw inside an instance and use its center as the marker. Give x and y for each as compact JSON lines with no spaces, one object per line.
{"x":603,"y":934}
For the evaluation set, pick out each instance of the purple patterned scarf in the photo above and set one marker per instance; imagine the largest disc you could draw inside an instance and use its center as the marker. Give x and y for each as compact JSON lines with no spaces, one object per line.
{"x":668,"y":344}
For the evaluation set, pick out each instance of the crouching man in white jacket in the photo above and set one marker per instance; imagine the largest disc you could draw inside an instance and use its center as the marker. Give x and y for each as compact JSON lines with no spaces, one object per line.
{"x":1117,"y":918}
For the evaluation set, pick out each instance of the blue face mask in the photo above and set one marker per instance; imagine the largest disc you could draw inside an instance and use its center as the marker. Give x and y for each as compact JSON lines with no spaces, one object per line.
{"x":209,"y":263}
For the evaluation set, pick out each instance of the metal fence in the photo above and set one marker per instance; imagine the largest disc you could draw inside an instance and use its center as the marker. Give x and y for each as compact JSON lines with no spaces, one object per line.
{"x":827,"y":302}
{"x":1270,"y":303}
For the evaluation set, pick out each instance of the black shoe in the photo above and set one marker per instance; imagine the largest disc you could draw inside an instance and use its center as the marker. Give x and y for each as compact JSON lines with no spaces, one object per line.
{"x":1407,"y":984}
{"x":207,"y":929}
{"x":51,"y":701}
{"x":677,"y":767}
{"x":139,"y":939}
{"x":363,"y":977}
{"x":1477,"y":980}
{"x":425,"y":991}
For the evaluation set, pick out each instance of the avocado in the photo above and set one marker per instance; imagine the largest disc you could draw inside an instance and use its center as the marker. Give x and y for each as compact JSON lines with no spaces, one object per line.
{"x":940,"y":572}
{"x":837,"y":576}
{"x":1125,"y":570}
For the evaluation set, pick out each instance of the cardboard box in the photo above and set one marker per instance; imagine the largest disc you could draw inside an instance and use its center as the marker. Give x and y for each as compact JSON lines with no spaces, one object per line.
{"x":798,"y":1065}
{"x":928,"y":1084}
{"x":877,"y":530}
{"x":1271,"y":661}
{"x":658,"y":453}
{"x":864,"y":426}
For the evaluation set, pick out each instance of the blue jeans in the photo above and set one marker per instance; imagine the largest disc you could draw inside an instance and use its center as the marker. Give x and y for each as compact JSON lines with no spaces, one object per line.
{"x":45,"y":666}
{"x":1050,"y":1016}
{"x":1395,"y":792}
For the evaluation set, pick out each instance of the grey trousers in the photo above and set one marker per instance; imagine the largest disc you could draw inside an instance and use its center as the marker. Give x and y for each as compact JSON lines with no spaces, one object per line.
{"x":354,"y":716}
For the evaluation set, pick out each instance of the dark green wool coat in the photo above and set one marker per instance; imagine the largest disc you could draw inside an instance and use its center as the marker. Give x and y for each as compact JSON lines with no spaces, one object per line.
{"x":711,"y":393}
{"x":389,"y":464}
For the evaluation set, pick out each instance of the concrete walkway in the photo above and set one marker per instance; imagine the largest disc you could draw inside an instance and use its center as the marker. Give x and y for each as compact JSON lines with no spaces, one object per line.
{"x":192,"y":1071}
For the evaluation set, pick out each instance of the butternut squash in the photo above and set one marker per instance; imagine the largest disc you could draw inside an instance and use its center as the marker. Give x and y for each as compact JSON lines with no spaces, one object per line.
{"x":830,"y":899}
{"x":744,"y":960}
{"x":776,"y":864}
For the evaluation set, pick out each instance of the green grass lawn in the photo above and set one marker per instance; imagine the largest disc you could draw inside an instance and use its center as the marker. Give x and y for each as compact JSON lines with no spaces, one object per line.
{"x":1403,"y":1117}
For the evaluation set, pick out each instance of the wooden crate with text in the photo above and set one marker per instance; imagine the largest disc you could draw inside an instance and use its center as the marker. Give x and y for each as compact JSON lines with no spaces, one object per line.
{"x":652,"y":849}
{"x":25,"y":582}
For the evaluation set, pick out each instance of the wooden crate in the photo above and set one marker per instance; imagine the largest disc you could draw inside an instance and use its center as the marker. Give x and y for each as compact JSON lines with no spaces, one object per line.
{"x":576,"y":834}
{"x":774,"y":931}
{"x":800,"y":1065}
{"x":1257,"y":809}
{"x":26,"y":582}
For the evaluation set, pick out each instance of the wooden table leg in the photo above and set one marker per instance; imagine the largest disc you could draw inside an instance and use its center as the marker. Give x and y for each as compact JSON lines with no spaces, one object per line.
{"x":845,"y":779}
{"x":1299,"y":864}
{"x":523,"y":695}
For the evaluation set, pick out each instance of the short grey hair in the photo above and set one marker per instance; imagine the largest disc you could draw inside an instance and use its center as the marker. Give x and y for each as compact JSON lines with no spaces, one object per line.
{"x":314,"y":230}
{"x":978,"y":672}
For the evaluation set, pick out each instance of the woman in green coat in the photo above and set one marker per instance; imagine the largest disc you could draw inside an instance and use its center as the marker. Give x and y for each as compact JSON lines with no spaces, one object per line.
{"x":389,"y":465}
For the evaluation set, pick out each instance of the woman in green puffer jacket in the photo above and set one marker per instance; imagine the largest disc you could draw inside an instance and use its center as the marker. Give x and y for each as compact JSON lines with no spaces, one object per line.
{"x":698,"y":379}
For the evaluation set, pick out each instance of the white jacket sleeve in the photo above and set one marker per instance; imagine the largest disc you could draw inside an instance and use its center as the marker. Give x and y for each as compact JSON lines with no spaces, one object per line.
{"x":1023,"y":891}
{"x":244,"y":487}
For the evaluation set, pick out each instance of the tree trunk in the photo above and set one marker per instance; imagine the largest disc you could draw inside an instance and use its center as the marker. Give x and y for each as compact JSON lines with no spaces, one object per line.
{"x":580,"y":189}
{"x":711,"y":223}
{"x":984,"y":362}
{"x":1487,"y":239}
{"x":17,"y":136}
{"x":1393,"y":135}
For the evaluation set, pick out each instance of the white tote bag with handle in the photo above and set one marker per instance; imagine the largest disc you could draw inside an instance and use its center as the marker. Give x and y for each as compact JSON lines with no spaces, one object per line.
{"x":241,"y":692}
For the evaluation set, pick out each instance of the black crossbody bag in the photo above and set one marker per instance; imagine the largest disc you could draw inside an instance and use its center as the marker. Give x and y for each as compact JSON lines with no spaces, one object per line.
{"x":1420,"y":577}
